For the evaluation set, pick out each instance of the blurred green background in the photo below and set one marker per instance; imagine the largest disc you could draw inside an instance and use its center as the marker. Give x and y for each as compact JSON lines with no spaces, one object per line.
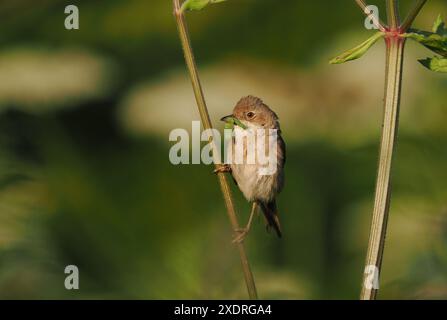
{"x":85,"y":177}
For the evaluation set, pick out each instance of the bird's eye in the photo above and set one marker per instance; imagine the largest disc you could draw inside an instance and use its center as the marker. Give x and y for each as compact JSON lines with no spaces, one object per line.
{"x":250,"y":115}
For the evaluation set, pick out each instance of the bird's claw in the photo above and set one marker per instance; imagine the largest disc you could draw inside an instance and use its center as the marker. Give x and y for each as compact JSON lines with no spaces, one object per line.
{"x":222,"y":169}
{"x":240,"y":235}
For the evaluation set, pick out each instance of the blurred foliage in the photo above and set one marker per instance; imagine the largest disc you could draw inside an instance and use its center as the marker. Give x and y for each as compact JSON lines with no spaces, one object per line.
{"x":76,"y":187}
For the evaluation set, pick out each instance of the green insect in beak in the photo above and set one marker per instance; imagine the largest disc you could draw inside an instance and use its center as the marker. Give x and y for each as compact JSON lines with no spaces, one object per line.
{"x":231,"y":121}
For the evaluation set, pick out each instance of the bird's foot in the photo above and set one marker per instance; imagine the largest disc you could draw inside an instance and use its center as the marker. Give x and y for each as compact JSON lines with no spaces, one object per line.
{"x":240,"y":235}
{"x":223,"y":169}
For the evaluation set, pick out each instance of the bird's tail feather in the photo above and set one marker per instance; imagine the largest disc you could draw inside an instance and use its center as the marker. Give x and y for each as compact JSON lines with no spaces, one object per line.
{"x":271,"y":215}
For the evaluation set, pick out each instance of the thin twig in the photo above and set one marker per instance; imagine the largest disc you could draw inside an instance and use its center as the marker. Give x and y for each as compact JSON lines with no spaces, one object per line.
{"x":204,"y":115}
{"x":379,"y":24}
{"x":413,"y":14}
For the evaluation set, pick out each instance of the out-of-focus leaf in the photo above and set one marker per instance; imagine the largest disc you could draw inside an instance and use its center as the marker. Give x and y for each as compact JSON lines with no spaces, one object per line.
{"x":12,"y":179}
{"x":358,"y":51}
{"x":436,"y":64}
{"x":439,"y":26}
{"x":198,"y":4}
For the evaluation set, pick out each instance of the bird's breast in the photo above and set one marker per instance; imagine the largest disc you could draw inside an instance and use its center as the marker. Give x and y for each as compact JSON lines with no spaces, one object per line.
{"x":251,"y":172}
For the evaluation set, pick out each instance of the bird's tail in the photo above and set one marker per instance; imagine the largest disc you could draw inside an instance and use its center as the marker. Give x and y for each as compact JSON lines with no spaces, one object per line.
{"x":271,"y":215}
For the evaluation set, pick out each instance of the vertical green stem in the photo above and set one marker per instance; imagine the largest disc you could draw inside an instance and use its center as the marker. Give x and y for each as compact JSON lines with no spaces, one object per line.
{"x":204,"y":115}
{"x":392,"y":11}
{"x":395,"y":44}
{"x":395,"y":52}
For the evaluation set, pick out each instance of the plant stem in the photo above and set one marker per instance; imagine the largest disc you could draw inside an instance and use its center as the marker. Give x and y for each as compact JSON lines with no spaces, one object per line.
{"x":378,"y":23}
{"x":413,"y":14}
{"x":392,"y":11}
{"x":395,"y":44}
{"x":204,"y":115}
{"x":395,"y":52}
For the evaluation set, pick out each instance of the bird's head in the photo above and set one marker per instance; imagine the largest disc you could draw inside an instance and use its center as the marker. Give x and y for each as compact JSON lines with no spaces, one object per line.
{"x":251,"y":113}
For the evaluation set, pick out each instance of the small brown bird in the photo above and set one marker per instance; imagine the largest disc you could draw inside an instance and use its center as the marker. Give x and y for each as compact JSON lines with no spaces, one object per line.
{"x":252,"y":115}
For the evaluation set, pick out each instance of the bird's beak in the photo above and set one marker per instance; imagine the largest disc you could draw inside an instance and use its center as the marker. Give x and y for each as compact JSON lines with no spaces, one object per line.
{"x":232,"y":120}
{"x":227,"y":118}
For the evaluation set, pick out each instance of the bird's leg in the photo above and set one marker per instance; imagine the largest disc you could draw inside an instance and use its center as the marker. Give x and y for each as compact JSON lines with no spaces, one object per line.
{"x":242,"y":233}
{"x":223,"y":168}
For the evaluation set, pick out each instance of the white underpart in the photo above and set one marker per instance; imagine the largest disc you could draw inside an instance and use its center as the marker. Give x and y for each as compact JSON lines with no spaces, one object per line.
{"x":250,"y":174}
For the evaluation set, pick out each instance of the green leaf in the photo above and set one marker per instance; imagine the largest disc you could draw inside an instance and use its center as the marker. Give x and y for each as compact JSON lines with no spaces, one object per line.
{"x":436,"y":64}
{"x":358,"y":51}
{"x":433,"y":41}
{"x":439,"y":26}
{"x":436,"y":41}
{"x":198,"y":4}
